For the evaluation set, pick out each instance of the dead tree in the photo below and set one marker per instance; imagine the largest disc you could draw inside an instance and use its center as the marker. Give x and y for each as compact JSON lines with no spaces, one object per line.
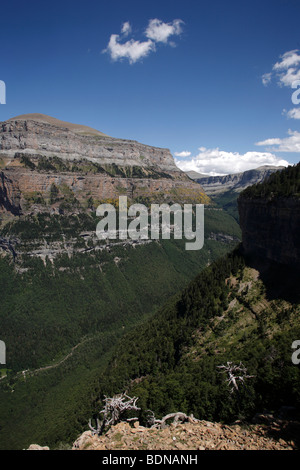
{"x":113,"y":412}
{"x":99,"y":427}
{"x":116,"y":408}
{"x":236,"y":373}
{"x":162,"y":423}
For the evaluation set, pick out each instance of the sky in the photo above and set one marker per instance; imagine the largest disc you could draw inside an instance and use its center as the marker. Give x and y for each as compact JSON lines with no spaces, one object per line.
{"x":214,"y":81}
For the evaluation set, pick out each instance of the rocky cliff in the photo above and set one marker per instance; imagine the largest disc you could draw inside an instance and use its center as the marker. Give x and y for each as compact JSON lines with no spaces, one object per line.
{"x":195,"y":435}
{"x":271,"y":229}
{"x":9,"y":196}
{"x":37,"y":152}
{"x":237,"y":182}
{"x":42,"y":138}
{"x":270,"y":218}
{"x":33,"y":135}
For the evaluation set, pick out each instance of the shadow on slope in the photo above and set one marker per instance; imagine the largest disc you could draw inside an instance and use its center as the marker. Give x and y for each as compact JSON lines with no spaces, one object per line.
{"x":281,"y":281}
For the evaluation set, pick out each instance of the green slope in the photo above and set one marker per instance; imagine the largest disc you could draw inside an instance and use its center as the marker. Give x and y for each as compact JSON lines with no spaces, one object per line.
{"x":226,"y":314}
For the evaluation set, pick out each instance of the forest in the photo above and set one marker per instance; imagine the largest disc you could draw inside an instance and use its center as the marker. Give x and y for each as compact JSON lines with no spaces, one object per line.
{"x":172,"y":361}
{"x":284,"y":183}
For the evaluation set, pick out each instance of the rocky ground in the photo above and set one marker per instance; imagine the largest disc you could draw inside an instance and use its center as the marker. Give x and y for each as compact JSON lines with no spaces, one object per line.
{"x":195,"y":435}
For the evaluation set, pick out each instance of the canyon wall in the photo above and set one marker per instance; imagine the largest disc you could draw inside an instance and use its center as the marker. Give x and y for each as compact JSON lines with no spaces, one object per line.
{"x":271,"y":228}
{"x":89,"y":166}
{"x":37,"y":137}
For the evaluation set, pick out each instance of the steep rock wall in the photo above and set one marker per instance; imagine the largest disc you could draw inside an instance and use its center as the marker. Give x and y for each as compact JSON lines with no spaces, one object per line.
{"x":20,"y":183}
{"x":50,"y":140}
{"x":154,"y":173}
{"x":9,"y":195}
{"x":271,"y":228}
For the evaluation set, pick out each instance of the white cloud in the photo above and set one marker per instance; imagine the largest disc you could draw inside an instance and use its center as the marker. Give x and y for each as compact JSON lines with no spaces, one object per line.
{"x":288,"y":144}
{"x":288,"y":59}
{"x":219,"y":162}
{"x":290,"y":76}
{"x":266,"y":78}
{"x":293,"y":113}
{"x":134,"y":50}
{"x":272,"y":141}
{"x":286,"y":70}
{"x":182,"y":154}
{"x":126,"y":28}
{"x":159,"y":31}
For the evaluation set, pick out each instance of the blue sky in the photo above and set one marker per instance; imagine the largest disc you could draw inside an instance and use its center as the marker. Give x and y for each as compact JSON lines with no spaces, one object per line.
{"x":198,"y":77}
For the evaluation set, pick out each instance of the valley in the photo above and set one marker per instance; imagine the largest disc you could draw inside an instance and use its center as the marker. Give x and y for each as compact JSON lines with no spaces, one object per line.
{"x":149,"y":229}
{"x":82,"y":317}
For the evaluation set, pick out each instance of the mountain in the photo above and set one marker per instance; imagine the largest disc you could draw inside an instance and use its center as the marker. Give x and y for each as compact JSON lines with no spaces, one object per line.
{"x":77,"y":128}
{"x":236,"y":182}
{"x":224,"y":190}
{"x":38,"y":134}
{"x":54,"y":175}
{"x":39,"y":153}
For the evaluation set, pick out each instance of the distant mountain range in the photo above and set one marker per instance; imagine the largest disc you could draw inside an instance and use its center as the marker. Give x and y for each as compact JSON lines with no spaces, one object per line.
{"x":216,"y":185}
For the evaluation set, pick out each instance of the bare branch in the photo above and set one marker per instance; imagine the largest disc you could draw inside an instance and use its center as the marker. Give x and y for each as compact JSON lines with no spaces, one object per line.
{"x":97,"y":429}
{"x":161,"y":423}
{"x":236,"y":373}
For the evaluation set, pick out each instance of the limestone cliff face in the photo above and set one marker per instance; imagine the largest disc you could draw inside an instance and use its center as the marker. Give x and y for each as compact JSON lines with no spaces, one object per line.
{"x":91,"y":166}
{"x":9,"y":195}
{"x":19,"y":184}
{"x":42,"y":138}
{"x":270,"y":228}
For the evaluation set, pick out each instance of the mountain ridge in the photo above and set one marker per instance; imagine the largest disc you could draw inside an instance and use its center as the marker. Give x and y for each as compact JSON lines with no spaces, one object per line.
{"x":235,"y":182}
{"x":39,"y":117}
{"x":48,"y":136}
